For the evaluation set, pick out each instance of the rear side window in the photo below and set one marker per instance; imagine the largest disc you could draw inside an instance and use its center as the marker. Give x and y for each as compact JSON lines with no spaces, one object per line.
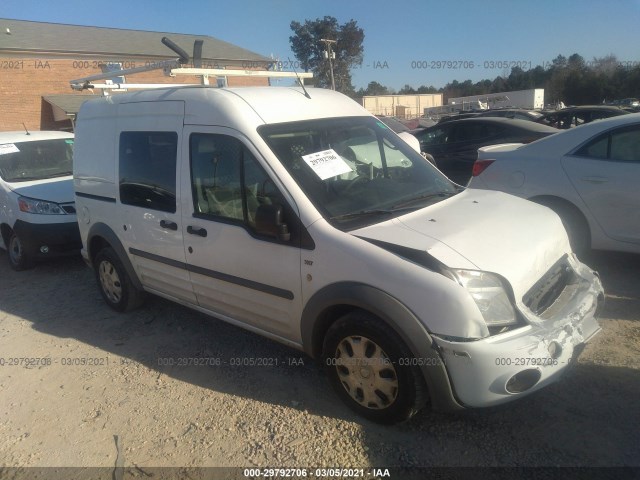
{"x":585,"y":117}
{"x":622,"y":145}
{"x":469,"y":132}
{"x":625,"y":145}
{"x":434,"y":137}
{"x":558,"y":120}
{"x":597,"y":148}
{"x":148,"y":170}
{"x":491,"y":130}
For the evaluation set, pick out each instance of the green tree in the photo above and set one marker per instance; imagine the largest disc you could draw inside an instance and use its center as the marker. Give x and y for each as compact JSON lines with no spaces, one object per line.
{"x":429,"y":89}
{"x":499,"y":85}
{"x":374,"y":88}
{"x":576,"y":62}
{"x":309,"y":50}
{"x":407,"y":90}
{"x":568,"y":79}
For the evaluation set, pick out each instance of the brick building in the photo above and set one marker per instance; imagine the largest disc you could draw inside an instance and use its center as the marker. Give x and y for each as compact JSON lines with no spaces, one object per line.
{"x":37,"y":61}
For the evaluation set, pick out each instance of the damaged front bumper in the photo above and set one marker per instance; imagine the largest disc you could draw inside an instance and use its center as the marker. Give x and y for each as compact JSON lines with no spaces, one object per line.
{"x":506,"y":366}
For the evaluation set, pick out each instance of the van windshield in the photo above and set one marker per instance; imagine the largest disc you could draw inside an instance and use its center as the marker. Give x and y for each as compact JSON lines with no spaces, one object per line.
{"x":355,"y":170}
{"x":37,"y":160}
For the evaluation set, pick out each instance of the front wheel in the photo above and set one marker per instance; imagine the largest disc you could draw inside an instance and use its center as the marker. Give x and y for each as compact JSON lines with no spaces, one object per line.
{"x":19,"y":259}
{"x":429,"y":157}
{"x":116,"y":286}
{"x":364,"y":359}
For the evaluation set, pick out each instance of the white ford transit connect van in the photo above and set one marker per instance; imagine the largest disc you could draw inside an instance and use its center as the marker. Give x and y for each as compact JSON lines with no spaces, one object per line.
{"x":37,"y":212}
{"x":305,"y":219}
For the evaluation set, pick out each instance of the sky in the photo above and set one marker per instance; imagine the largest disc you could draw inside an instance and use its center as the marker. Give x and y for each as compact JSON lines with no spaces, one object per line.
{"x":406,"y":41}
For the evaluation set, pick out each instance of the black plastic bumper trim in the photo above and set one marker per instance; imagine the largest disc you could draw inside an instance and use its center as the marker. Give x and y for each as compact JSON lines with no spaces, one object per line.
{"x":96,"y":197}
{"x":243,"y":282}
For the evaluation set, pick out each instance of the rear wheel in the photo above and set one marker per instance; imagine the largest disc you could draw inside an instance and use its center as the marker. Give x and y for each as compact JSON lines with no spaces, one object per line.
{"x":116,"y":286}
{"x":19,"y":259}
{"x":369,"y":367}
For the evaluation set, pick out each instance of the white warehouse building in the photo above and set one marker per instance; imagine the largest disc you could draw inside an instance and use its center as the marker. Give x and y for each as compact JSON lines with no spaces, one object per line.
{"x":401,"y":106}
{"x":531,"y":99}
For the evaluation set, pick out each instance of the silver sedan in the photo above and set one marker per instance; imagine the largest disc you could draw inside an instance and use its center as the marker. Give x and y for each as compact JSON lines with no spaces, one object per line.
{"x":589,"y":175}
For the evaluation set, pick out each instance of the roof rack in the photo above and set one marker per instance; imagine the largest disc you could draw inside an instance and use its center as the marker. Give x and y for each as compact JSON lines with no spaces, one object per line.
{"x":174,"y":68}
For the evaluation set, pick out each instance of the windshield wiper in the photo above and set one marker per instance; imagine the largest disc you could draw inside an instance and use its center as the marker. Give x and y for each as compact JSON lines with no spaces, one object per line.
{"x":399,"y":207}
{"x":22,"y":179}
{"x":59,"y":174}
{"x":361,"y":213}
{"x":423,"y":197}
{"x":378,"y":211}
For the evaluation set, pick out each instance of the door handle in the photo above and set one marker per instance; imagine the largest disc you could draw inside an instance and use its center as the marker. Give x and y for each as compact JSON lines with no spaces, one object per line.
{"x":197,"y":231}
{"x":168,"y":225}
{"x":595,"y":180}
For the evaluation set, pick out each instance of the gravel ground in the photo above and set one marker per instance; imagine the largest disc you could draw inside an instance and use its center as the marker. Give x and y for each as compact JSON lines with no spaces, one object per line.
{"x":281,"y":415}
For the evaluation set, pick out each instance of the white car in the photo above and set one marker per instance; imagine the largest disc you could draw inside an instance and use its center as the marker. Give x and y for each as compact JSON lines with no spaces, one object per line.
{"x":305,"y":219}
{"x":589,"y":175}
{"x":37,"y":209}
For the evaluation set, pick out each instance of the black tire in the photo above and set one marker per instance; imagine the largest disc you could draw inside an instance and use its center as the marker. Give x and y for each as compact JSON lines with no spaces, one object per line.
{"x":429,"y":157}
{"x":574,"y":223}
{"x":377,"y":384}
{"x":116,"y":286}
{"x":19,"y":259}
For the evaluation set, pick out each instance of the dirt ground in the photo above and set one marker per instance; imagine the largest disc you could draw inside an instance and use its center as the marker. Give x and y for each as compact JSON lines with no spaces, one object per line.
{"x":110,"y":374}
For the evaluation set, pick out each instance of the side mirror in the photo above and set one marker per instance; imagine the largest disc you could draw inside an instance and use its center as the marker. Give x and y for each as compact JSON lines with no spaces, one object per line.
{"x":269,"y":222}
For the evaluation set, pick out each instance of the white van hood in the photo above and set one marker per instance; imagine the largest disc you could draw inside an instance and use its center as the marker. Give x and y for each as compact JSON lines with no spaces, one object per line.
{"x":58,"y":190}
{"x":483,"y":230}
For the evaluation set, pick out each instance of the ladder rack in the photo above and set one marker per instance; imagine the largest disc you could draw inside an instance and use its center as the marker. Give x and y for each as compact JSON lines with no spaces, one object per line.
{"x":175,"y":68}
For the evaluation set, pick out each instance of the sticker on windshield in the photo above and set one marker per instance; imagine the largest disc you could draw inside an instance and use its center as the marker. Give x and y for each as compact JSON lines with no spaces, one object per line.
{"x":7,"y":148}
{"x":327,"y":164}
{"x":70,"y":142}
{"x":381,"y":125}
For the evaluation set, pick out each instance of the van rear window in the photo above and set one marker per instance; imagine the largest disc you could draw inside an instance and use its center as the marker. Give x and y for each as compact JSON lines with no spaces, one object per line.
{"x":148,"y":170}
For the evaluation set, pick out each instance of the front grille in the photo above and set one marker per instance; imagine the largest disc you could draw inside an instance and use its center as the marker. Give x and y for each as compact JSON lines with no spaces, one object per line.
{"x":69,"y":207}
{"x":549,"y":288}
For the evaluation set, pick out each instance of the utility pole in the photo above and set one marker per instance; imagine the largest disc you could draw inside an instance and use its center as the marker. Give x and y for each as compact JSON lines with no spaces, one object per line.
{"x":330,"y":55}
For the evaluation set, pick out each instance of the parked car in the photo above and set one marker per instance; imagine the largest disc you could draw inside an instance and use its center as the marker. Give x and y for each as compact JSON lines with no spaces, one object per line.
{"x":419,"y":123}
{"x":454,"y":144}
{"x":37,"y":211}
{"x":404,"y":133}
{"x":394,"y":124}
{"x":589,"y":176}
{"x":627,"y":102}
{"x":517,"y":113}
{"x":307,"y":220}
{"x":457,"y":116}
{"x":575,"y":116}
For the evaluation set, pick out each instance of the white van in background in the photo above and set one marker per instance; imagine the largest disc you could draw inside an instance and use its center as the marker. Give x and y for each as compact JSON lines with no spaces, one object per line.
{"x":37,"y":209}
{"x":299,"y":216}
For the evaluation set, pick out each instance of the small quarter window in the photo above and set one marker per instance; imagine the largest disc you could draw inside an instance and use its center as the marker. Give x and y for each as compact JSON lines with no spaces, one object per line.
{"x":595,"y":149}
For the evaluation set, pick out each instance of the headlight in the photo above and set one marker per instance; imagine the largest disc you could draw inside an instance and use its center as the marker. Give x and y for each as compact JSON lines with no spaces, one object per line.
{"x":41,"y":207}
{"x":491,"y":297}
